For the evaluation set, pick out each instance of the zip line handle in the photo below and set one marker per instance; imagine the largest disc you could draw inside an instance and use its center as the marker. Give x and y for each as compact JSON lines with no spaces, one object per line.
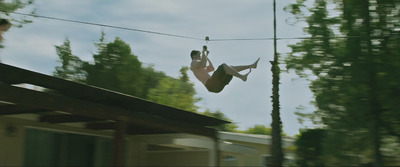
{"x":207,"y":39}
{"x":205,"y":46}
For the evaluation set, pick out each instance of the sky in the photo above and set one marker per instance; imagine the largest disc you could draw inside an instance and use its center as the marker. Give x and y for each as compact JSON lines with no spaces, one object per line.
{"x":247,"y":103}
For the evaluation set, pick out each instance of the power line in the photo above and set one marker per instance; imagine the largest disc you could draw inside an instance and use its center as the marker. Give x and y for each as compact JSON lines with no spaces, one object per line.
{"x":195,"y":38}
{"x":294,"y":38}
{"x":106,"y":25}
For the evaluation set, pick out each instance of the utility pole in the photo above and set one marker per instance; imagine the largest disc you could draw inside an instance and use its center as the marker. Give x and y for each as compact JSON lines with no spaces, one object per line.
{"x":276,"y":148}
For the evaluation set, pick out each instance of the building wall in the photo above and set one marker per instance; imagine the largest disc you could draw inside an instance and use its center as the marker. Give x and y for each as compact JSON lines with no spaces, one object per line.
{"x":135,"y":152}
{"x":256,"y":159}
{"x":263,"y":151}
{"x":11,"y":143}
{"x":138,"y":153}
{"x":178,"y":158}
{"x":13,"y":139}
{"x":231,"y":159}
{"x":14,"y":131}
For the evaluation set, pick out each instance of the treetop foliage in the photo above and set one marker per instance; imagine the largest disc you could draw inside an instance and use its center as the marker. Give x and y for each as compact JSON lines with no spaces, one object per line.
{"x":115,"y":67}
{"x":357,"y":75}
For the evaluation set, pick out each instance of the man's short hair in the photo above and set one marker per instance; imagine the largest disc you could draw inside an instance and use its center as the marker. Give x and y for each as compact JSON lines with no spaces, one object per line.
{"x":194,"y":53}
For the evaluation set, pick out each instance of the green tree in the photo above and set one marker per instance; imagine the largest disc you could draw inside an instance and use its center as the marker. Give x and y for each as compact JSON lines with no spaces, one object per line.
{"x":177,"y":93}
{"x":276,"y":146}
{"x":116,"y":68}
{"x":310,"y":148}
{"x":184,"y":76}
{"x":152,"y":79}
{"x":6,"y":21}
{"x":259,"y":129}
{"x":354,"y":74}
{"x":232,"y":127}
{"x":71,"y":65}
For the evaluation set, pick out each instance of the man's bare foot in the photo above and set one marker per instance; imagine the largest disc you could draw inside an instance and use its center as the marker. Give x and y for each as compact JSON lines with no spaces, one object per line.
{"x":244,"y":77}
{"x":254,"y":65}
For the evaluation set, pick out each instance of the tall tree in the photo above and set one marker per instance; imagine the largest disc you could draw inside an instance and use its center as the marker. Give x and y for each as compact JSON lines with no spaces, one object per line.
{"x":310,"y":148}
{"x":354,"y":74}
{"x":6,"y":21}
{"x":116,"y":68}
{"x":177,"y":93}
{"x":4,"y":26}
{"x":232,"y":127}
{"x":259,"y":129}
{"x":152,"y":79}
{"x":276,"y":148}
{"x":71,"y":65}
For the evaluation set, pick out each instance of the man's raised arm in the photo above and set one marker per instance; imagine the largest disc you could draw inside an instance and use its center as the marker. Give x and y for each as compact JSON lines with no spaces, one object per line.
{"x":204,"y":57}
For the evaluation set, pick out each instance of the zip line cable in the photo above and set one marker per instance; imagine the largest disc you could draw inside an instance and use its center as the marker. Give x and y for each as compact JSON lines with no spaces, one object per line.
{"x":294,"y":38}
{"x":207,"y":39}
{"x":106,"y":25}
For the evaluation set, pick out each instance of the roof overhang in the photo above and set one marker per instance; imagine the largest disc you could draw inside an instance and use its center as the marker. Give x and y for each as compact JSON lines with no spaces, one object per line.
{"x":63,"y":101}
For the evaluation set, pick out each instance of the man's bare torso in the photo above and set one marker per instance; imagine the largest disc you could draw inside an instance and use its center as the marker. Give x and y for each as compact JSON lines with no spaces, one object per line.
{"x":199,"y":71}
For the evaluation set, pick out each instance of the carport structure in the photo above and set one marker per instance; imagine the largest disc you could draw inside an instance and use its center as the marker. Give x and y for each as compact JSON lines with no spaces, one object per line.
{"x":63,"y":101}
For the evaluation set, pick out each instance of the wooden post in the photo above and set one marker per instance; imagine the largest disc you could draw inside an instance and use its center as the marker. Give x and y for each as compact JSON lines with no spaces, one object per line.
{"x":276,"y":148}
{"x":214,"y":152}
{"x":217,"y":149}
{"x":118,"y":144}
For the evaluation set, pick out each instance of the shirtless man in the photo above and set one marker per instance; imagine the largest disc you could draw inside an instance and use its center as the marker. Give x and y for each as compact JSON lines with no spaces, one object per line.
{"x":221,"y":77}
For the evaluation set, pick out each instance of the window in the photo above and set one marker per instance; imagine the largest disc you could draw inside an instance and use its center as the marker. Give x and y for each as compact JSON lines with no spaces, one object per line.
{"x":229,"y":160}
{"x":45,"y":148}
{"x":266,"y":159}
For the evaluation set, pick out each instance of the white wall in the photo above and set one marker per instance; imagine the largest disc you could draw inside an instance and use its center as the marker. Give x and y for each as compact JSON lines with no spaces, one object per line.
{"x":178,"y":158}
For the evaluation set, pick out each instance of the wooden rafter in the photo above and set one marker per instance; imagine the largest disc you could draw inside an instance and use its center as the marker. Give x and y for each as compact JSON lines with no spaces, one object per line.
{"x":83,"y":103}
{"x":31,"y":98}
{"x":11,"y":109}
{"x":14,"y":75}
{"x":131,"y":129}
{"x":66,"y":118}
{"x":101,"y":125}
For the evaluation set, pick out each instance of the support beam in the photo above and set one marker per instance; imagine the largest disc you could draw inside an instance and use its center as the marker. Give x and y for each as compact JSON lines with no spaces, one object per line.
{"x":118,"y":143}
{"x":276,"y":148}
{"x":132,"y":129}
{"x":217,"y":149}
{"x":12,"y":109}
{"x":43,"y":100}
{"x":101,"y":125}
{"x":66,"y":118}
{"x":14,"y":75}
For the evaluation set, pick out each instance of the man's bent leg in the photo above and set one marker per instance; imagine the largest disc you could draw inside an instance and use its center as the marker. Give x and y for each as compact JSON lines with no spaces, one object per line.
{"x":241,"y":68}
{"x":231,"y":71}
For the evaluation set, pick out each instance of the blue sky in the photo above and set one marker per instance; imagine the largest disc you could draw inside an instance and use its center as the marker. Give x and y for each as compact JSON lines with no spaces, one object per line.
{"x":246,"y":103}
